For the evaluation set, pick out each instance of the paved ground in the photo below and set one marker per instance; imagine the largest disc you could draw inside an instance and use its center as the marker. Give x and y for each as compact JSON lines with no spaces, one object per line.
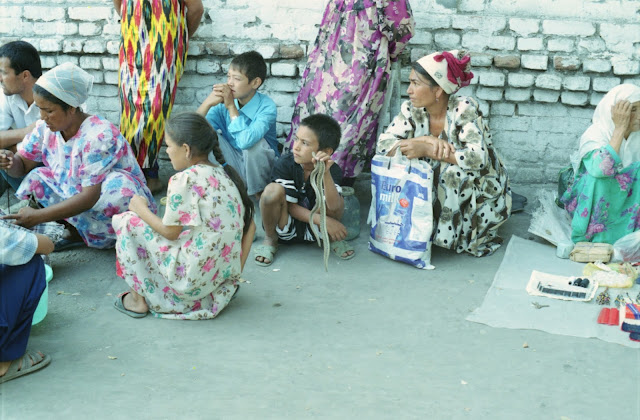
{"x":370,"y":339}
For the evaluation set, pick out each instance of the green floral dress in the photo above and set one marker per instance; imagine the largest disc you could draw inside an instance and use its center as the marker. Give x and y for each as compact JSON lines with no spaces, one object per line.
{"x":196,"y":275}
{"x":604,"y":199}
{"x":473,"y":198}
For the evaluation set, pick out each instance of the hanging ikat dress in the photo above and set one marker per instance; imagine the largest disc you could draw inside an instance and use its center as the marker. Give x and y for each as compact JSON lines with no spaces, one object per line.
{"x":153,"y":50}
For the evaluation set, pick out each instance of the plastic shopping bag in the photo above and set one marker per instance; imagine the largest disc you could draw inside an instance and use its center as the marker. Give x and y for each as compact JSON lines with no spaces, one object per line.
{"x":627,"y":248}
{"x":401,"y":213}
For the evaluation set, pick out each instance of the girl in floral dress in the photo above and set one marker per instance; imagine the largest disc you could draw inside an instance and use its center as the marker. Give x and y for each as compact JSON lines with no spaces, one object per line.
{"x":604,"y":199}
{"x":186,"y":265}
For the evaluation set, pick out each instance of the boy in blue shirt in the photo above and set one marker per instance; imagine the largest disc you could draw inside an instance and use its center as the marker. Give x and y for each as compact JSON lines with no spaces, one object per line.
{"x":287,"y":201}
{"x":245,"y":121}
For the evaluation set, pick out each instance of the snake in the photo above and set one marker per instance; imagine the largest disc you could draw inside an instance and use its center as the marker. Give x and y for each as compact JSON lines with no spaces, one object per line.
{"x":317,"y":183}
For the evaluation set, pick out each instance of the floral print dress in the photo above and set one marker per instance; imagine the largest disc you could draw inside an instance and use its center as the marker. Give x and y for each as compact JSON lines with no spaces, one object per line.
{"x":196,"y":275}
{"x":473,"y":198}
{"x":348,"y":70}
{"x":96,"y":154}
{"x":604,"y":199}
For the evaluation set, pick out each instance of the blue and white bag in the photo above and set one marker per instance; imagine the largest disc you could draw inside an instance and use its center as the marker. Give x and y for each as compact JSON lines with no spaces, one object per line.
{"x":401,"y":213}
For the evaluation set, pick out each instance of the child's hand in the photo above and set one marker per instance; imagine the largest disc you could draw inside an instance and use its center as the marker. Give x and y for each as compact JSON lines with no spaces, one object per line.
{"x":6,"y":159}
{"x":225,"y":92}
{"x":336,"y":230}
{"x":322,"y":157}
{"x":214,"y":98}
{"x":138,"y":204}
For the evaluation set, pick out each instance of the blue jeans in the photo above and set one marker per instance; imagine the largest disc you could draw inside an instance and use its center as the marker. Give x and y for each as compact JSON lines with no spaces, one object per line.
{"x":20,"y":289}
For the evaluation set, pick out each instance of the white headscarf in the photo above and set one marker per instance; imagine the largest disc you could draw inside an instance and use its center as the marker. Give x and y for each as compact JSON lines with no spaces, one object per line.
{"x":601,"y":129}
{"x":67,"y":82}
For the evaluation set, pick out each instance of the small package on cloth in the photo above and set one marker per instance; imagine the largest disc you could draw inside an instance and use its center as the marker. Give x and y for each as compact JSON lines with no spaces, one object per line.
{"x":591,"y":252}
{"x":611,"y":275}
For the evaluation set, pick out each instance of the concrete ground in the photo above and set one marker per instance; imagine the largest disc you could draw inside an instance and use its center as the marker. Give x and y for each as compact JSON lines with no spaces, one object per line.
{"x":369,"y":339}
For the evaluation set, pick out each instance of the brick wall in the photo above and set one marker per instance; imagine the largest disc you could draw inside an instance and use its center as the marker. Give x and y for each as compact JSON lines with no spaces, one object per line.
{"x":541,"y":66}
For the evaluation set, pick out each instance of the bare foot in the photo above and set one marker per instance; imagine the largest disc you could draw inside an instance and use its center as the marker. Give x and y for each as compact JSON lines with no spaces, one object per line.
{"x":135,"y":303}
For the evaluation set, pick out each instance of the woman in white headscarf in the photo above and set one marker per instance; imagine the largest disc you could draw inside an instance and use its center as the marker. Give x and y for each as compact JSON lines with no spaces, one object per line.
{"x":472,"y":187}
{"x":604,"y":199}
{"x":88,"y":171}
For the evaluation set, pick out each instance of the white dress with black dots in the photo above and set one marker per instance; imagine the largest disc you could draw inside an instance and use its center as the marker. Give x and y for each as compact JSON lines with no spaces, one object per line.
{"x":474,"y":196}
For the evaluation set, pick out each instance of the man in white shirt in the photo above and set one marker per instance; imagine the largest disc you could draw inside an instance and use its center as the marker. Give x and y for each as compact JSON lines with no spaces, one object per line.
{"x":20,"y":67}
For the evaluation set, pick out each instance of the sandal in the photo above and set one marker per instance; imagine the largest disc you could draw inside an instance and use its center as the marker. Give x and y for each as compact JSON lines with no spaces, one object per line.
{"x":64,"y":244}
{"x":267,"y":252}
{"x":38,"y":361}
{"x":340,"y":247}
{"x":119,"y":305}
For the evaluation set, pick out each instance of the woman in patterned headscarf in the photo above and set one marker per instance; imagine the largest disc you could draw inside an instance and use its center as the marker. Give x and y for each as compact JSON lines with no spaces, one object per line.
{"x":604,"y":199}
{"x":153,"y":50}
{"x":473,"y":194}
{"x":88,"y":170}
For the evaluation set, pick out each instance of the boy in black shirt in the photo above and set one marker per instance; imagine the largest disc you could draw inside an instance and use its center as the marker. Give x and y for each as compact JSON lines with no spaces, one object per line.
{"x":286,"y":202}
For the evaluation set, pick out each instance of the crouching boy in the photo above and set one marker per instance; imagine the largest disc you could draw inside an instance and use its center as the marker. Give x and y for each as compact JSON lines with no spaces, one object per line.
{"x":287,"y":201}
{"x":245,"y":121}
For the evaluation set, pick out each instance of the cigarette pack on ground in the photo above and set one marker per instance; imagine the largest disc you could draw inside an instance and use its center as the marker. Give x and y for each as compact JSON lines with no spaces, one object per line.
{"x":561,"y":287}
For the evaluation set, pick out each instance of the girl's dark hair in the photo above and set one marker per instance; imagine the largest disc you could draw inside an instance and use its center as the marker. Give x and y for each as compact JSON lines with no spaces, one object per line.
{"x":194,"y":130}
{"x":422,"y":72}
{"x":46,"y":95}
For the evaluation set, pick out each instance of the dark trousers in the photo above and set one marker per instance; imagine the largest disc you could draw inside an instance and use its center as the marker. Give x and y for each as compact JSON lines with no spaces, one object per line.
{"x":20,"y":289}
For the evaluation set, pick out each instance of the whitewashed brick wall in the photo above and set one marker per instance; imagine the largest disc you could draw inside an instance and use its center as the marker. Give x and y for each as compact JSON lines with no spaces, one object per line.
{"x":541,"y":65}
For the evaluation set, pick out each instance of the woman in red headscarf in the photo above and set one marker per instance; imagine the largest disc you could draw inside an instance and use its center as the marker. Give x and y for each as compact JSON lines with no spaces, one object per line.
{"x":473,"y":194}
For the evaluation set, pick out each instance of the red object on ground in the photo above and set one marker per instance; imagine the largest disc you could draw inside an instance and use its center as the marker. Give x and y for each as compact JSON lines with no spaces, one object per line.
{"x":614,"y":316}
{"x":603,"y":318}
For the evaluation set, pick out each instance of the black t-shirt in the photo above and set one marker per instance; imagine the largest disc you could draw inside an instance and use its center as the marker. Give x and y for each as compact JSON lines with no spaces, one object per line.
{"x":290,"y":175}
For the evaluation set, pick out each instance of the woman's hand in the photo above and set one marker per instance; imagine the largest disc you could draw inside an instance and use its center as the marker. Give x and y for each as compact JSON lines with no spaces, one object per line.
{"x":442,"y":149}
{"x":138,"y":204}
{"x":25,"y":217}
{"x":621,"y":115}
{"x":414,"y":148}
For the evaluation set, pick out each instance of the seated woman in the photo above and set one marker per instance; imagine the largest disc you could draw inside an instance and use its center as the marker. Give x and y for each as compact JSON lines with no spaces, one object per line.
{"x":22,"y":281}
{"x":88,"y":173}
{"x":473,"y":196}
{"x":604,"y":199}
{"x":186,"y":265}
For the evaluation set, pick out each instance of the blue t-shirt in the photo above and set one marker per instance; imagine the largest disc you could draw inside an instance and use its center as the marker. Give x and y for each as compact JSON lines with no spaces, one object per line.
{"x":257,"y":120}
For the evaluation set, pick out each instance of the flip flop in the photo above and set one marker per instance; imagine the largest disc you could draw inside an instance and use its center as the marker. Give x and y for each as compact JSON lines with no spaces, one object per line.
{"x":64,"y":244}
{"x":36,"y":357}
{"x":340,"y":247}
{"x":119,"y":305}
{"x":265,"y":251}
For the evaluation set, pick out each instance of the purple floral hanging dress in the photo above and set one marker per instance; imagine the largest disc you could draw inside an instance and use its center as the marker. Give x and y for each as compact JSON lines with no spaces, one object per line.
{"x":348,"y":70}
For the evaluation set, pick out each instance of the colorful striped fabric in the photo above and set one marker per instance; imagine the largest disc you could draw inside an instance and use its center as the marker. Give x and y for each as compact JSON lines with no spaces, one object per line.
{"x":153,"y":50}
